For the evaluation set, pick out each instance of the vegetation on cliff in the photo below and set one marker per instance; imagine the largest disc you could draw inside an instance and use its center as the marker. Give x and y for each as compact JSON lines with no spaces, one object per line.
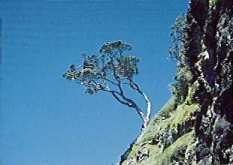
{"x":195,"y":125}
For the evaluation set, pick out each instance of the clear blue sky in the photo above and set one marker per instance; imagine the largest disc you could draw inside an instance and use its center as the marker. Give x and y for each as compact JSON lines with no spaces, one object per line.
{"x":46,"y":120}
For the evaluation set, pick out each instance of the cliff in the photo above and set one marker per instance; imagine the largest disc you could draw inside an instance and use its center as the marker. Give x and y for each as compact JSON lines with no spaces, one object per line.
{"x":195,"y":127}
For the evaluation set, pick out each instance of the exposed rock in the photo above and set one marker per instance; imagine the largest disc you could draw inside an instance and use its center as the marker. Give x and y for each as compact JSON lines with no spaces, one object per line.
{"x":199,"y":130}
{"x":142,"y":154}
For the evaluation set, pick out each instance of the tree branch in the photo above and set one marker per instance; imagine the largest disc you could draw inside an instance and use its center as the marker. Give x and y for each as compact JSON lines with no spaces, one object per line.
{"x":112,"y":82}
{"x":136,"y":87}
{"x":130,"y":103}
{"x":116,"y":95}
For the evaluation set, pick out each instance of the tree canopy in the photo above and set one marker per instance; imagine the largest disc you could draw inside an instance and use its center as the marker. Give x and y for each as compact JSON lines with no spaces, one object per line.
{"x":108,"y":71}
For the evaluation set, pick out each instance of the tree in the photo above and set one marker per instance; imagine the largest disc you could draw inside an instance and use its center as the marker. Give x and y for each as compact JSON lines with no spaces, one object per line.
{"x":183,"y":71}
{"x":113,"y":72}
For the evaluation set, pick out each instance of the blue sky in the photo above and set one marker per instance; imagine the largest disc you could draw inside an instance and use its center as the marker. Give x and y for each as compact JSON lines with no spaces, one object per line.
{"x":46,"y":120}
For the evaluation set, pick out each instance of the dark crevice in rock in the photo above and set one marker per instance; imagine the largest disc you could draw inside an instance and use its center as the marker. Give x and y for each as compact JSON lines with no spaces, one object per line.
{"x":208,"y":55}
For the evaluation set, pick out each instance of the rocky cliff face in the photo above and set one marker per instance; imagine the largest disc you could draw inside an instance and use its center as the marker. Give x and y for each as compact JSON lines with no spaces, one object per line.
{"x":197,"y":129}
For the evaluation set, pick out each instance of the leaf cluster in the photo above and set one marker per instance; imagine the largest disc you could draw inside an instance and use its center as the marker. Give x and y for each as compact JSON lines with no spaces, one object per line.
{"x":177,"y":37}
{"x":183,"y":74}
{"x":97,"y":72}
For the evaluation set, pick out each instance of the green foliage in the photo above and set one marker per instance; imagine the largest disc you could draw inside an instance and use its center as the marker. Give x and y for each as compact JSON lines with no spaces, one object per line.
{"x":100,"y":70}
{"x":127,"y":66}
{"x":169,"y":107}
{"x":190,"y":99}
{"x":180,"y":87}
{"x":179,"y":116}
{"x":111,"y":71}
{"x":182,"y":142}
{"x":176,"y":117}
{"x":177,"y":37}
{"x":183,"y":113}
{"x":183,"y":73}
{"x":165,"y":158}
{"x":115,"y":47}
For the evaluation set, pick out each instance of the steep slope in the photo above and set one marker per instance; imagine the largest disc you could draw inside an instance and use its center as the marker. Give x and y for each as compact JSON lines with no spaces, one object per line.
{"x":196,"y":124}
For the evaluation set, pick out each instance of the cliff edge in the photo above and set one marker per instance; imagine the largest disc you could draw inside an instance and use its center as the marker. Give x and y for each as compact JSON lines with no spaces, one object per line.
{"x":195,"y":127}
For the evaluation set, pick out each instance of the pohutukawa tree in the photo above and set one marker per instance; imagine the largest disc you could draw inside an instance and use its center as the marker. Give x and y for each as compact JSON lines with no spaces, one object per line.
{"x":112,"y":71}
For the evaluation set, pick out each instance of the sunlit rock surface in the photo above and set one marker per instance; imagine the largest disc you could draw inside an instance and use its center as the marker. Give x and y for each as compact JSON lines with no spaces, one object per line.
{"x":198,"y":130}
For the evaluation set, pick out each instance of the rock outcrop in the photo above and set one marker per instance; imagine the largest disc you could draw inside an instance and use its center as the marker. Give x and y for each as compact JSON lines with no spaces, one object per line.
{"x":197,"y":130}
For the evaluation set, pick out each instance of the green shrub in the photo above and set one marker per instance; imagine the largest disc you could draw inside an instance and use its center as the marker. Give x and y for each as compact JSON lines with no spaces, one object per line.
{"x":177,"y":38}
{"x":183,"y":74}
{"x":180,"y":87}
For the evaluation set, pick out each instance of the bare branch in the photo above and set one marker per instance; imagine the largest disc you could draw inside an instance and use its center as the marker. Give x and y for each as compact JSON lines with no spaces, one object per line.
{"x":117,"y":96}
{"x":130,"y":103}
{"x":112,"y":82}
{"x":136,"y":87}
{"x":114,"y":94}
